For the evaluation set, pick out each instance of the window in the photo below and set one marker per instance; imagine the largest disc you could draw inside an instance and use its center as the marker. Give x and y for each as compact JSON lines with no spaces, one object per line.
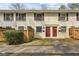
{"x":20,"y":16}
{"x":62,"y":29}
{"x":77,"y":15}
{"x":39,"y":29}
{"x":21,"y":28}
{"x":39,"y":16}
{"x":8,"y":16}
{"x":63,"y":16}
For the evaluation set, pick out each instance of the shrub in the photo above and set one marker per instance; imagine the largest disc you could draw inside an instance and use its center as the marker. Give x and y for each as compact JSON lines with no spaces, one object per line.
{"x":13,"y":37}
{"x":9,"y":28}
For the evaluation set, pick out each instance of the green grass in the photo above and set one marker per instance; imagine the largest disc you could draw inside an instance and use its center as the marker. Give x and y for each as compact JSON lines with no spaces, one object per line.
{"x":40,"y":42}
{"x":52,"y":41}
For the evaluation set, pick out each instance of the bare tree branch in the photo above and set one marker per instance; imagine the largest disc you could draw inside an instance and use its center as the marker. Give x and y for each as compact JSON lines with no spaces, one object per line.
{"x":17,"y":6}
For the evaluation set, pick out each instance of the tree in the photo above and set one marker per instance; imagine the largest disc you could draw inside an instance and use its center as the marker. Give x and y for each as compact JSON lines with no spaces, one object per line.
{"x":73,"y":6}
{"x":44,"y":6}
{"x":17,"y":6}
{"x":62,"y":7}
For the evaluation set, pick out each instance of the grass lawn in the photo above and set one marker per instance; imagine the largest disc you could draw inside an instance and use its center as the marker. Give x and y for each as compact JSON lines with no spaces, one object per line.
{"x":40,"y":42}
{"x":47,"y":42}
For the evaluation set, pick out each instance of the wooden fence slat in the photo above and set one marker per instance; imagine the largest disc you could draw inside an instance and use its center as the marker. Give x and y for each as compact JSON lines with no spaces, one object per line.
{"x":1,"y":35}
{"x":74,"y":33}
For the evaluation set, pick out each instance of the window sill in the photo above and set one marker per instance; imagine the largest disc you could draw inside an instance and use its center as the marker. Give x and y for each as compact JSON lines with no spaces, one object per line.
{"x":20,"y":21}
{"x":63,"y":21}
{"x":8,"y":20}
{"x":39,"y":32}
{"x":38,"y":20}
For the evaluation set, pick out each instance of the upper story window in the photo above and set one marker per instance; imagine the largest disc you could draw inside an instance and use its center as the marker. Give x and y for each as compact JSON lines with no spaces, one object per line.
{"x":77,"y":16}
{"x":39,"y":16}
{"x":8,"y":16}
{"x":63,"y":16}
{"x":20,"y":16}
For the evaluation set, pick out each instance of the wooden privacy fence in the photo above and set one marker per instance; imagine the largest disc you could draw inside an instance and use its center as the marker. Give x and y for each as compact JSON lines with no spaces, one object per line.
{"x":74,"y":33}
{"x":28,"y":34}
{"x":1,"y":35}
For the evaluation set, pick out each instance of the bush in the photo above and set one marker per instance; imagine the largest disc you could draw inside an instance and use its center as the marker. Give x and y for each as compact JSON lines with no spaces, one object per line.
{"x":13,"y":37}
{"x":9,"y":28}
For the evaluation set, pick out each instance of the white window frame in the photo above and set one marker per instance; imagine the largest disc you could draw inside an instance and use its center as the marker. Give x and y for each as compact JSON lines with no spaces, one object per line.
{"x":8,"y":16}
{"x":20,"y":16}
{"x":37,"y":30}
{"x":63,"y":29}
{"x":37,"y":18}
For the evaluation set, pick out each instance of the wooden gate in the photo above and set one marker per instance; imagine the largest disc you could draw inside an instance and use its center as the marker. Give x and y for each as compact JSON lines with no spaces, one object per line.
{"x":54,"y":30}
{"x":74,"y":33}
{"x":28,"y":34}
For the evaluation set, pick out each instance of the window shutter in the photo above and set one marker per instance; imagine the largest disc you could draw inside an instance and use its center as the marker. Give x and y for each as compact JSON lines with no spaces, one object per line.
{"x":59,"y":18}
{"x":67,"y":16}
{"x":77,"y":16}
{"x":34,"y":16}
{"x":4,"y":16}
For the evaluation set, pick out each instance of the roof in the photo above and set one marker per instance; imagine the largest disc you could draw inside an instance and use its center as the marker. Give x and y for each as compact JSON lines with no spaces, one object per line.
{"x":41,"y":11}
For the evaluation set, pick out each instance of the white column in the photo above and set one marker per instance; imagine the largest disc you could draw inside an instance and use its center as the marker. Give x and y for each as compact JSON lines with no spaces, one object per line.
{"x":26,"y":22}
{"x":1,"y":19}
{"x":67,"y":32}
{"x":14,"y":19}
{"x":51,"y":35}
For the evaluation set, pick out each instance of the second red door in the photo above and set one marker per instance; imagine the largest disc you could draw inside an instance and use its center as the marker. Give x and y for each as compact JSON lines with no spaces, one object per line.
{"x":54,"y":31}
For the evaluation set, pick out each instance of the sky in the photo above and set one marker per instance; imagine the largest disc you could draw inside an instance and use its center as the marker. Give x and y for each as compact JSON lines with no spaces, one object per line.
{"x":33,"y":5}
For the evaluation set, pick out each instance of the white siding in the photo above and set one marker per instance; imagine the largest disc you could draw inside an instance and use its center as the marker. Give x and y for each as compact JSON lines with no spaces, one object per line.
{"x":49,"y":18}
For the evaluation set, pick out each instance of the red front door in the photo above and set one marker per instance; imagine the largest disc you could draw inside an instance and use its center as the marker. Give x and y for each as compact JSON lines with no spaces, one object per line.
{"x":54,"y":31}
{"x":47,"y":31}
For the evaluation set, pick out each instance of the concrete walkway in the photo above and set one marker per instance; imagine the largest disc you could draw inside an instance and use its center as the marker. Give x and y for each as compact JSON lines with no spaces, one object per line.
{"x":37,"y":50}
{"x":69,"y":48}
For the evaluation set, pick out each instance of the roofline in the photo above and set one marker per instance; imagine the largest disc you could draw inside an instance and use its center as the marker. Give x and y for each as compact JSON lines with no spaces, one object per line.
{"x":42,"y":11}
